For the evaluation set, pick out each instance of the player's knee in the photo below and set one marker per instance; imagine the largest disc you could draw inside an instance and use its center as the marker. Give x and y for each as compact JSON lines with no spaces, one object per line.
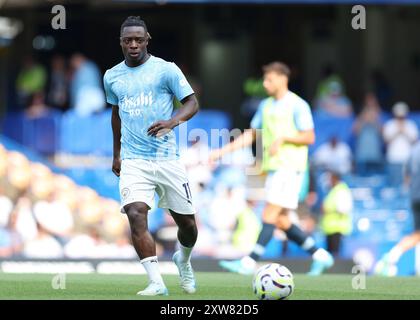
{"x":191,"y":226}
{"x":137,"y":216}
{"x":136,"y":208}
{"x":271,"y":214}
{"x":193,"y":230}
{"x":268,"y":220}
{"x":188,"y":226}
{"x":283,"y":222}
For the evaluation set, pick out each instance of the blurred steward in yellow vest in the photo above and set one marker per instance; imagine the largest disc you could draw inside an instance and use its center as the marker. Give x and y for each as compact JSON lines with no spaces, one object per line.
{"x":337,"y":208}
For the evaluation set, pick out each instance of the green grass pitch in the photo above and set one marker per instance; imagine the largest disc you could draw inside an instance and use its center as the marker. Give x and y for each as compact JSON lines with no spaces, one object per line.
{"x":211,"y":286}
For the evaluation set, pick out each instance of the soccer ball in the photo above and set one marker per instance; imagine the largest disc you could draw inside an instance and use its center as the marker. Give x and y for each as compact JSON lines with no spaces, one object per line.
{"x":273,"y":282}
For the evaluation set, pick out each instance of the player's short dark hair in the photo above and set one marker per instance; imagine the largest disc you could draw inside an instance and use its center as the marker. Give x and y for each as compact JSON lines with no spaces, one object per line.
{"x":278,"y":67}
{"x":133,"y":21}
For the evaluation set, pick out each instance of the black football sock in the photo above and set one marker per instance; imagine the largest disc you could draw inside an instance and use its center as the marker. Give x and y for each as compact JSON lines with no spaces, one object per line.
{"x":265,"y":236}
{"x":296,"y":234}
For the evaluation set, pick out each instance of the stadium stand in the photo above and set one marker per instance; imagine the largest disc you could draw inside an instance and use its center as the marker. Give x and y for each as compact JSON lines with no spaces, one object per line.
{"x":381,"y":214}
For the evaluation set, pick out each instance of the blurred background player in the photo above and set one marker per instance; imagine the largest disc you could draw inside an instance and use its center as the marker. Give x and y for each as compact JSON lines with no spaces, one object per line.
{"x":387,"y":266}
{"x":287,"y":130}
{"x":337,"y":208}
{"x":141,"y":90}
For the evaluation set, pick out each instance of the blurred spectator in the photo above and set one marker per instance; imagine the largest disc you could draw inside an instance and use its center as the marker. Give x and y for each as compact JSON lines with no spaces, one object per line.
{"x":312,"y":201}
{"x":165,"y":232}
{"x":195,"y":161}
{"x":399,"y":134}
{"x":37,"y":107}
{"x":41,"y":212}
{"x":86,"y":245}
{"x":224,"y":210}
{"x":114,"y":224}
{"x":334,"y":102}
{"x":305,"y":188}
{"x":43,"y":246}
{"x":232,"y":226}
{"x":55,"y":216}
{"x":66,"y":191}
{"x":333,"y":155}
{"x":382,"y":89}
{"x":6,"y":244}
{"x":18,"y":176}
{"x":6,"y":207}
{"x":12,"y":241}
{"x":58,"y":86}
{"x":42,"y":182}
{"x":328,"y":76}
{"x":6,"y":236}
{"x":89,"y":207}
{"x":86,"y":93}
{"x":24,"y":222}
{"x":31,"y":79}
{"x":248,"y":226}
{"x":255,"y":93}
{"x":3,"y":168}
{"x":124,"y":248}
{"x":368,"y":131}
{"x":336,"y":220}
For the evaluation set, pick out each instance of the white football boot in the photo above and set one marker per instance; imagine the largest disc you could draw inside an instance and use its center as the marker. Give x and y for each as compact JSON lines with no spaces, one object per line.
{"x":185,"y":273}
{"x":154,"y":289}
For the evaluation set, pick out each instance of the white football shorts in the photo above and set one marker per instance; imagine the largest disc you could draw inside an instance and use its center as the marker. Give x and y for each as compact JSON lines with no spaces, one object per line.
{"x":139,"y":179}
{"x":282,"y":188}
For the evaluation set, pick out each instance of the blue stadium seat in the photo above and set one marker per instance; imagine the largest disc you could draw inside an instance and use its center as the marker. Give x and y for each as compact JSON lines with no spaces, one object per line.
{"x":42,"y":134}
{"x":12,"y":126}
{"x":103,"y":133}
{"x":78,"y":134}
{"x":415,"y":116}
{"x":106,"y":183}
{"x":327,"y":127}
{"x":102,"y":180}
{"x":39,"y":134}
{"x":82,"y":176}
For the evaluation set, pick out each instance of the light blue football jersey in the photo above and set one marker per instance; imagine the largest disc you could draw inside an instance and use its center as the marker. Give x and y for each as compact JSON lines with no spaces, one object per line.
{"x":144,"y":95}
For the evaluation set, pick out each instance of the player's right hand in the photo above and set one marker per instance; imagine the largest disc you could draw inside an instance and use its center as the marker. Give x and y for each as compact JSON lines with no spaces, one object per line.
{"x":116,"y":166}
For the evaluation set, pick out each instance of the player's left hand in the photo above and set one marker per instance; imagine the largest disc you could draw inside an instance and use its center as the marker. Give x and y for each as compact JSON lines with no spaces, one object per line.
{"x":160,"y":128}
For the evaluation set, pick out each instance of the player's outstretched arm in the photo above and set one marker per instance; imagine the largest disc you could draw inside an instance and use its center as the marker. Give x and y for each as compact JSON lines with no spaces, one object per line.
{"x":187,"y":111}
{"x":244,"y":140}
{"x":116,"y":133}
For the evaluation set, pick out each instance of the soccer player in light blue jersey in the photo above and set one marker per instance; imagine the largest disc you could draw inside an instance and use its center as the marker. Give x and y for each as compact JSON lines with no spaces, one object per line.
{"x":141,"y":90}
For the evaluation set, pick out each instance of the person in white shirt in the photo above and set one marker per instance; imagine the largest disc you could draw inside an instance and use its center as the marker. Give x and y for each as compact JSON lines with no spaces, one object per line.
{"x":333,"y":155}
{"x":399,"y":134}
